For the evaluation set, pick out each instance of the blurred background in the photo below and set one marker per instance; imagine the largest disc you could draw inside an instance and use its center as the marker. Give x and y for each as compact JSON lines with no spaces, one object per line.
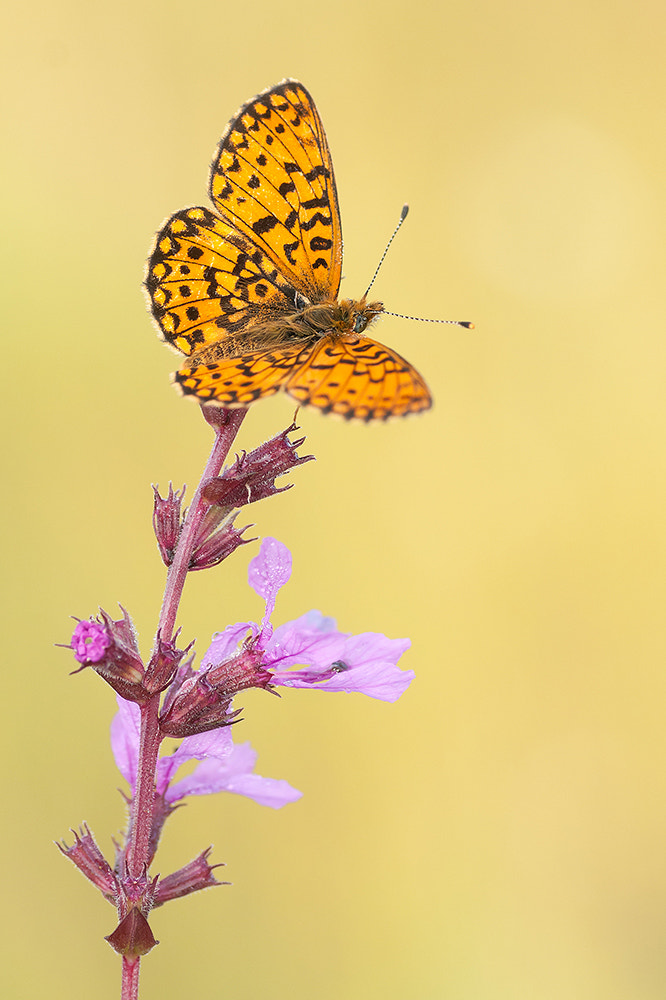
{"x":499,"y":832}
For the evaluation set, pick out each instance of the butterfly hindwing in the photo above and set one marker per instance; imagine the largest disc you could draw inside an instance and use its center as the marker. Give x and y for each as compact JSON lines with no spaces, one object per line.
{"x":361,"y":379}
{"x":240,"y":381}
{"x":272,"y":179}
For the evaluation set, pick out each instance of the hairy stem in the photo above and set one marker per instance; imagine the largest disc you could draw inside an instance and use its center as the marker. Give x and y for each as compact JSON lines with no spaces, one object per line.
{"x":226,"y":428}
{"x":226,"y":424}
{"x":130,"y":981}
{"x":225,"y":432}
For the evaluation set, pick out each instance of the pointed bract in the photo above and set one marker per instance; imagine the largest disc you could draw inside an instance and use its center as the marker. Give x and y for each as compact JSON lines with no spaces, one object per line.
{"x":132,"y":937}
{"x":216,"y":539}
{"x":253,"y":474}
{"x":88,"y":858}
{"x":163,"y":665}
{"x":198,"y":874}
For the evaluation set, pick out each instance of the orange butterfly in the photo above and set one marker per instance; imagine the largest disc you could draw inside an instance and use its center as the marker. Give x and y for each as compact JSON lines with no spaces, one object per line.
{"x":251,"y":294}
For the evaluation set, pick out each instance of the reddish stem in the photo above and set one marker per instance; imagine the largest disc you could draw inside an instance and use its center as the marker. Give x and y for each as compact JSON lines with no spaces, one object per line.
{"x":130,"y":981}
{"x":225,"y":432}
{"x":226,"y":424}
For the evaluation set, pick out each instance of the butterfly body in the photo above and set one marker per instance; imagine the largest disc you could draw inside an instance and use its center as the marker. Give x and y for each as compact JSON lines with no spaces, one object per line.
{"x":250,"y":292}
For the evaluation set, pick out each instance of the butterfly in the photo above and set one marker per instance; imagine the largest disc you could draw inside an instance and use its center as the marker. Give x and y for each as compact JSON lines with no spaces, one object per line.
{"x":249,"y":292}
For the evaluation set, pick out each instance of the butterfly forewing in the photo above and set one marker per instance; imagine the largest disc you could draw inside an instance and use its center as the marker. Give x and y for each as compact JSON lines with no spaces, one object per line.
{"x":272,"y":179}
{"x":205,"y":281}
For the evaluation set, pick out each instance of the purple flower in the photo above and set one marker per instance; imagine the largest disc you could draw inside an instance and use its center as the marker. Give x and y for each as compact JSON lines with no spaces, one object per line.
{"x":223,"y":766}
{"x":90,"y":641}
{"x":310,"y":651}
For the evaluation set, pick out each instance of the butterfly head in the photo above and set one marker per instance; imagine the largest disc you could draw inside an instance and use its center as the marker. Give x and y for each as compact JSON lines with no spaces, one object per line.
{"x":345,"y":319}
{"x":357,"y":316}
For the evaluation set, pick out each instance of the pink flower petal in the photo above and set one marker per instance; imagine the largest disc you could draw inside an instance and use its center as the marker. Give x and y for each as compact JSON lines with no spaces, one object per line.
{"x":125,"y":731}
{"x":270,"y":569}
{"x":234,"y":774}
{"x":267,"y":573}
{"x":224,"y":644}
{"x":311,"y":640}
{"x":217,"y":743}
{"x":383,"y":681}
{"x":363,"y":663}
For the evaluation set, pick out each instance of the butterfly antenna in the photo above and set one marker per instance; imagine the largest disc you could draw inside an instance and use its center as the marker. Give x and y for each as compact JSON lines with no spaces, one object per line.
{"x":403,"y":216}
{"x":419,"y":319}
{"x":422,"y":319}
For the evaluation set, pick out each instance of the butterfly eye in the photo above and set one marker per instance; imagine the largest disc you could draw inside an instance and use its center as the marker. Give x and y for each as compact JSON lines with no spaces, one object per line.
{"x":301,"y":301}
{"x":360,"y":323}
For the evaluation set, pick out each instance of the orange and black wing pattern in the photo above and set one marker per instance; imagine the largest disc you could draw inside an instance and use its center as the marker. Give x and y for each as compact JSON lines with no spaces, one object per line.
{"x":361,"y":379}
{"x":272,"y":180}
{"x":236,"y":289}
{"x":206,"y":281}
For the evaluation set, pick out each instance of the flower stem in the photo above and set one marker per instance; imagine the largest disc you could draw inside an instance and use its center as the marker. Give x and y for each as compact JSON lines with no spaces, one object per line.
{"x":130,"y":981}
{"x":226,"y":424}
{"x":225,"y":432}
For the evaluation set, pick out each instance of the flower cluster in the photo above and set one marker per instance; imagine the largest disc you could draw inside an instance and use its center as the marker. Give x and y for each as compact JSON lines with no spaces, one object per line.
{"x":168,"y":698}
{"x":309,"y":652}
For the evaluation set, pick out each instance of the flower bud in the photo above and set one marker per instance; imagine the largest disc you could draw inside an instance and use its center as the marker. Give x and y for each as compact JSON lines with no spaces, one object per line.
{"x":197,"y":708}
{"x":166,"y":521}
{"x":198,"y":874}
{"x":110,"y":648}
{"x":252,"y":476}
{"x":163,"y":665}
{"x":203,"y":700}
{"x":241,"y":671}
{"x":88,"y":858}
{"x":216,"y":539}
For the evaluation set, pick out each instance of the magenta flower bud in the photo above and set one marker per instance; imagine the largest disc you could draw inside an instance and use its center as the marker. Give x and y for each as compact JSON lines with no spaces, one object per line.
{"x":198,"y":874}
{"x":90,"y":642}
{"x":110,"y":648}
{"x":216,"y":539}
{"x":253,"y":474}
{"x":166,"y":521}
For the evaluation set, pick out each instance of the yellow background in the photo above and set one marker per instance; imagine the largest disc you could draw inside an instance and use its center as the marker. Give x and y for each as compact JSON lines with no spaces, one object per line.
{"x":500,"y":832}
